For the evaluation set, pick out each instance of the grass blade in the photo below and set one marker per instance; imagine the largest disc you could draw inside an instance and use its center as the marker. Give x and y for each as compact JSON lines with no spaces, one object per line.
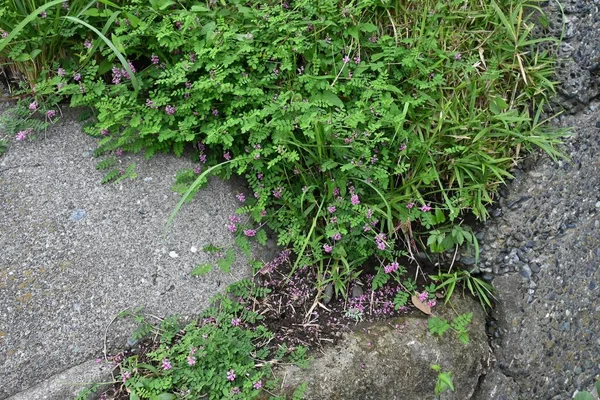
{"x":124,"y":62}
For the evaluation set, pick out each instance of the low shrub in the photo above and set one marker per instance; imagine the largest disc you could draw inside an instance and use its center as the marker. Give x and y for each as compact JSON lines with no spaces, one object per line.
{"x":359,"y":126}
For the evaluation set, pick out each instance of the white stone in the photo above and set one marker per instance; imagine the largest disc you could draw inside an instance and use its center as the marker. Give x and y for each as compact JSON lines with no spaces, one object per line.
{"x":173,"y":254}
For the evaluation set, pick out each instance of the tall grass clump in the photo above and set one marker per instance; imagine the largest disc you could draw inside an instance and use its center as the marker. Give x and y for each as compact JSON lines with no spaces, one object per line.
{"x":365,"y":130}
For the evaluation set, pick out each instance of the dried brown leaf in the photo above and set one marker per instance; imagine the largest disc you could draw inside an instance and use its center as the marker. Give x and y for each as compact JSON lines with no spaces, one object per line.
{"x":420,"y":305}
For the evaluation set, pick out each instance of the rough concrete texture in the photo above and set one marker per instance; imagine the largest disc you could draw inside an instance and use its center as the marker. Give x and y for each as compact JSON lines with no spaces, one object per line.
{"x":577,"y":22}
{"x":392,"y":360}
{"x":546,"y":249}
{"x":65,"y":384}
{"x":75,"y":253}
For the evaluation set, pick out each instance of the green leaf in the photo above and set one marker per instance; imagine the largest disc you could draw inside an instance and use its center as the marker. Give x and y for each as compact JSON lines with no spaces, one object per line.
{"x":584,"y":396}
{"x":164,"y":396}
{"x":202,"y":269}
{"x":332,"y":99}
{"x":261,"y":237}
{"x":199,"y":8}
{"x":446,"y":379}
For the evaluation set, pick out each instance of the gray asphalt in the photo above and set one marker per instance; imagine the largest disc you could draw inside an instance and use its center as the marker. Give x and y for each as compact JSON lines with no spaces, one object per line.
{"x":75,"y":253}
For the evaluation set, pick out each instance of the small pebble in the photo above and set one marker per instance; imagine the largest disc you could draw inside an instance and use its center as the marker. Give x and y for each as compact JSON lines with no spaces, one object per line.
{"x":193,"y":249}
{"x":78,"y":215}
{"x":173,"y":254}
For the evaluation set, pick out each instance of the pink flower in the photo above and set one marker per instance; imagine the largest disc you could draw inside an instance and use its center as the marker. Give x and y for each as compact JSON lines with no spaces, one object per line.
{"x":166,"y":364}
{"x":60,"y":72}
{"x":432,"y":303}
{"x":277,"y":193}
{"x":393,"y":267}
{"x":425,"y":208}
{"x":236,"y":322}
{"x":381,"y":245}
{"x":257,"y":385}
{"x":154,"y":58}
{"x":191,"y":360}
{"x":87,"y":44}
{"x":50,"y":114}
{"x":227,"y":156}
{"x":231,"y":375}
{"x":241,"y":197}
{"x":346,"y":59}
{"x":77,"y":77}
{"x":104,"y":132}
{"x":170,"y":110}
{"x":250,"y":232}
{"x":231,"y":228}
{"x":337,"y":236}
{"x":327,"y":248}
{"x":33,"y":106}
{"x":410,"y":205}
{"x":22,"y":135}
{"x":125,"y":375}
{"x":423,"y":296}
{"x":235,"y":390}
{"x":331,"y":209}
{"x":354,"y":200}
{"x":119,"y":152}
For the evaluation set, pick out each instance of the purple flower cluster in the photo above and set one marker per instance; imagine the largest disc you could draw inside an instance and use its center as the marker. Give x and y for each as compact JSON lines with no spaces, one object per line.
{"x":166,"y":364}
{"x":120,"y":73}
{"x":50,"y":114}
{"x":241,"y":197}
{"x":233,"y":219}
{"x":154,"y":58}
{"x":170,"y":110}
{"x":250,"y":232}
{"x":231,"y":375}
{"x":282,"y":258}
{"x":327,"y":248}
{"x":392,"y":267}
{"x":354,"y":200}
{"x":380,"y":238}
{"x":33,"y":106}
{"x":22,"y":135}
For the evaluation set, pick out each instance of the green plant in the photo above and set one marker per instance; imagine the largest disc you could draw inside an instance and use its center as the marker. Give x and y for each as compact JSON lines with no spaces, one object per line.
{"x":36,"y":35}
{"x":3,"y":146}
{"x":361,"y":128}
{"x":439,"y":326}
{"x":476,"y":286}
{"x":444,"y":380}
{"x":223,"y":355}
